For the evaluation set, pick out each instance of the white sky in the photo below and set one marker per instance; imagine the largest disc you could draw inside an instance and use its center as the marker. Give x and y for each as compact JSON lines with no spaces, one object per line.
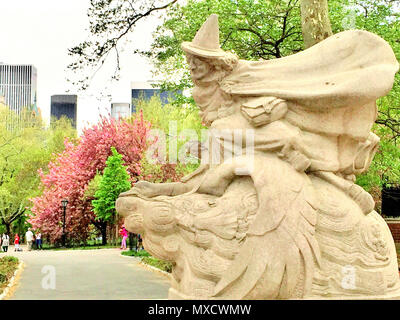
{"x":39,"y":32}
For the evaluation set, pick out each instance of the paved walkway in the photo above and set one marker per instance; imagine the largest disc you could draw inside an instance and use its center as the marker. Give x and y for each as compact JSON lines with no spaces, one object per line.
{"x":102,"y":274}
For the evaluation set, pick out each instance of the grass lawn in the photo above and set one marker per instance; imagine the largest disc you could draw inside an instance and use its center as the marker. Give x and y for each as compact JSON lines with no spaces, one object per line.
{"x":157,"y":263}
{"x":134,"y":253}
{"x":148,"y":259}
{"x":88,"y":246}
{"x":8,"y":265}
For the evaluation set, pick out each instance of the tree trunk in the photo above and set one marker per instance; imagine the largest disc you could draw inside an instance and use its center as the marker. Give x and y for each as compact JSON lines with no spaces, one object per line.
{"x":112,"y":238}
{"x":315,"y":23}
{"x":102,"y":227}
{"x":104,"y":234}
{"x":116,"y":234}
{"x":8,"y":227}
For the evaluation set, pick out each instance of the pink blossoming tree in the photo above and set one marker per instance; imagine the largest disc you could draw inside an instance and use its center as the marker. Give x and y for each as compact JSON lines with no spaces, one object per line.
{"x":70,"y":173}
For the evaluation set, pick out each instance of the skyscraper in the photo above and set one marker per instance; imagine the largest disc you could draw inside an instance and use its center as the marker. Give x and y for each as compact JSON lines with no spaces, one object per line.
{"x":64,"y":105}
{"x":18,"y":86}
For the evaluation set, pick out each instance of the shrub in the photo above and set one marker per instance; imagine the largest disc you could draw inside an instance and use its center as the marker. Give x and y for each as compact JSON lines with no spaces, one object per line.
{"x":133,"y":253}
{"x":9,"y":259}
{"x":157,"y":263}
{"x":8,"y":265}
{"x":3,"y":277}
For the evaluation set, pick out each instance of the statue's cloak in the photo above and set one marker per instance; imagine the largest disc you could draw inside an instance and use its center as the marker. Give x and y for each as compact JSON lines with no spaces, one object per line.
{"x":351,"y":68}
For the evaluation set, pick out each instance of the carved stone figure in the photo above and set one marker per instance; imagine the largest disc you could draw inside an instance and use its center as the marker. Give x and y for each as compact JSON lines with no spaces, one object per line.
{"x":284,"y":220}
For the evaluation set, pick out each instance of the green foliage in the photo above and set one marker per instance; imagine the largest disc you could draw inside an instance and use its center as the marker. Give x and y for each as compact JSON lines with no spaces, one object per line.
{"x":114,"y":181}
{"x":148,"y":259}
{"x":252,"y":29}
{"x":381,"y":17}
{"x":56,"y":134}
{"x":188,"y":126}
{"x":159,"y":264}
{"x":9,"y":259}
{"x":385,"y":167}
{"x":92,"y":187}
{"x":134,"y":253}
{"x":8,"y":265}
{"x":79,"y":246}
{"x":25,"y":147}
{"x":271,"y":29}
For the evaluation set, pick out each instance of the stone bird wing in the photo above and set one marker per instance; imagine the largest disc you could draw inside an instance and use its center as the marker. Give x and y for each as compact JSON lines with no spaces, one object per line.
{"x":279,"y":253}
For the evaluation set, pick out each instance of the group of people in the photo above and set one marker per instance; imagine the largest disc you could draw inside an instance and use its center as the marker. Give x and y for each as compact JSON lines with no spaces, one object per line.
{"x":124,"y":233}
{"x":30,"y":238}
{"x":33,"y":238}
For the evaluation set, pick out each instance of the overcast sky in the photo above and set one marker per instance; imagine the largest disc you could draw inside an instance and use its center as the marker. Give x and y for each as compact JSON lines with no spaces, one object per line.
{"x":40,"y":32}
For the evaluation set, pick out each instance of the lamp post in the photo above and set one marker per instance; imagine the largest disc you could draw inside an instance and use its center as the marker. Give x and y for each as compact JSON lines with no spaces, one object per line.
{"x":64,"y":204}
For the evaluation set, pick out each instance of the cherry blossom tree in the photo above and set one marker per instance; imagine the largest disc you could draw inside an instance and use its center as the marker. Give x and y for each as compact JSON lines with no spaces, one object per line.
{"x":72,"y":170}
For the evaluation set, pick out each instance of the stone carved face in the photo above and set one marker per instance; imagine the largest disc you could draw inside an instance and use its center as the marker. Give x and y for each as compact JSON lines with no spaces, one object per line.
{"x":199,"y":67}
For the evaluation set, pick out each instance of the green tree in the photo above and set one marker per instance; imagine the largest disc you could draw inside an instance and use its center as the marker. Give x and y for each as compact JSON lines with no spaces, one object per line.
{"x":25,"y":147}
{"x":110,"y":21}
{"x":114,"y":181}
{"x":89,"y":196}
{"x":259,"y":30}
{"x":181,"y":126}
{"x":253,"y":36}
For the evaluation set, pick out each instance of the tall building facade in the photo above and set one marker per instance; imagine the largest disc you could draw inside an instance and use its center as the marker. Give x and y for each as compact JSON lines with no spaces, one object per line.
{"x":120,"y":110}
{"x":64,"y":105}
{"x":18,"y":86}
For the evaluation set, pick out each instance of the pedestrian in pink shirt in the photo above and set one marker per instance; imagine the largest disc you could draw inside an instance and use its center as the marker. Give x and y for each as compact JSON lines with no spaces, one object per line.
{"x":124,"y":233}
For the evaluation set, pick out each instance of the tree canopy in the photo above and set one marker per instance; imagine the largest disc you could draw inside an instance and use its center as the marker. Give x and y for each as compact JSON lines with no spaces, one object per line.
{"x":25,"y":146}
{"x":72,"y":170}
{"x":253,"y":30}
{"x":115,"y":180}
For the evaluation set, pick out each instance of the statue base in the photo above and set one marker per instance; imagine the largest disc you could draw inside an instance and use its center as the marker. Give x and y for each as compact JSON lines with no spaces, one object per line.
{"x":176,"y":295}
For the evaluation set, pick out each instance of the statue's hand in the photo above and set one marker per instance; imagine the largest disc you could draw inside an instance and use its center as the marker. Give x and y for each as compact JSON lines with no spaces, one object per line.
{"x":143,"y":188}
{"x":217,"y":179}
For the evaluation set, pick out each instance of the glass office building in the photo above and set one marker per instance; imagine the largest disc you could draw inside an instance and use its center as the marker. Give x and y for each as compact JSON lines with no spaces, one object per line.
{"x":18,"y":87}
{"x":64,"y":105}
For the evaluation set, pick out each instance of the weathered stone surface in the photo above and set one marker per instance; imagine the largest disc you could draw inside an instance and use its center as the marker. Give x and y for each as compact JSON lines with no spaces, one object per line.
{"x":283,"y":219}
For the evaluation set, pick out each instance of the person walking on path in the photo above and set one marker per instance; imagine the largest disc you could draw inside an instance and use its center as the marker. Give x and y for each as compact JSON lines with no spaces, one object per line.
{"x":38,"y":240}
{"x":29,"y":239}
{"x":16,"y":242}
{"x":5,"y":242}
{"x":124,"y":233}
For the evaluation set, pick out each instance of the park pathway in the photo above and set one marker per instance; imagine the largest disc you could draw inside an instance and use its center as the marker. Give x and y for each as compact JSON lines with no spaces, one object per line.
{"x":101,"y":274}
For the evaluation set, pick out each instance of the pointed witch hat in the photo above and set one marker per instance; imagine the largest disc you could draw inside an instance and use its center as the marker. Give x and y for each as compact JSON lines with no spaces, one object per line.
{"x":206,"y":41}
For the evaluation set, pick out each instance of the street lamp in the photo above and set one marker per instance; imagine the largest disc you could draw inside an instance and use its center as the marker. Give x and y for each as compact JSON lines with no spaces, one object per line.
{"x":64,"y":204}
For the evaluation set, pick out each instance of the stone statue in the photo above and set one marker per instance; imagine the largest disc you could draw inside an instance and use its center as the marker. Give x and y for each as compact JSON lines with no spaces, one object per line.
{"x":284,"y":220}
